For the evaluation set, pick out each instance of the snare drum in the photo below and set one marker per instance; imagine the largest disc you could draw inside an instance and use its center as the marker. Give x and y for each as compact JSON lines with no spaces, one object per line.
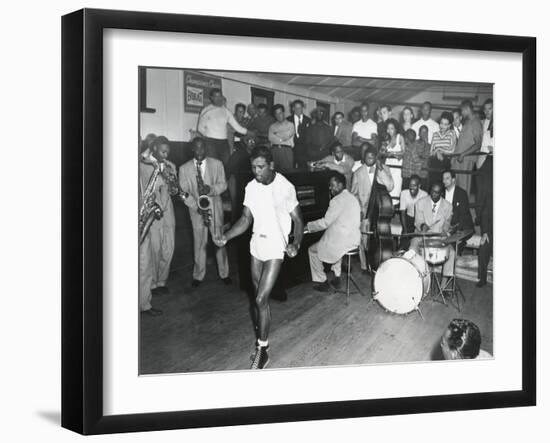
{"x":436,"y":251}
{"x":401,"y":282}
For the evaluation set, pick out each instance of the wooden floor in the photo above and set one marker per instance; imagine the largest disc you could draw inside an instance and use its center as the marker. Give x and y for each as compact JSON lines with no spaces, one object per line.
{"x":209,"y":329}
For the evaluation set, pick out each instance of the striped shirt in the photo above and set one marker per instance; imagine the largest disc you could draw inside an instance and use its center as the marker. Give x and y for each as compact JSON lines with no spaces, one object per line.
{"x":444,"y":142}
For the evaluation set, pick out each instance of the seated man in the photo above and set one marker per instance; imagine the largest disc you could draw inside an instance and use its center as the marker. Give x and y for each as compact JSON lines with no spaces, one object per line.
{"x":433,"y":215}
{"x":341,"y":224}
{"x":462,"y":340}
{"x":407,"y":201}
{"x":337,"y":161}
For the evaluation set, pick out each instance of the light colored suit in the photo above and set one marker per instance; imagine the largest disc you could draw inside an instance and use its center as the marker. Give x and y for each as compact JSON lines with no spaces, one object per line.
{"x":341,"y":225}
{"x":361,"y":187}
{"x":161,"y":236}
{"x":214,"y":176}
{"x":440,"y":222}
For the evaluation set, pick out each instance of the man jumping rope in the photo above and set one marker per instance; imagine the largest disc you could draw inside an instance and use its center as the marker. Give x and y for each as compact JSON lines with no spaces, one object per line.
{"x":270,"y":203}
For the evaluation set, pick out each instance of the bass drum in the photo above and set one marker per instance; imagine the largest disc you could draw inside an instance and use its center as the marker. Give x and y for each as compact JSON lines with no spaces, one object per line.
{"x":401,"y":282}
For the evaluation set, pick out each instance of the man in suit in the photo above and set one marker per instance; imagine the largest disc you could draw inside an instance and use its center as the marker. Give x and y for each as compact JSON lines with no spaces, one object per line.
{"x":433,"y":214}
{"x":341,"y":225}
{"x":342,"y":131}
{"x":456,"y":196}
{"x":301,"y":123}
{"x":212,"y":173}
{"x":318,"y":136}
{"x":361,"y":186}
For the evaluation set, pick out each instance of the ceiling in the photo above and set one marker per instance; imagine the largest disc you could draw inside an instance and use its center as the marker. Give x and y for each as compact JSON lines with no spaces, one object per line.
{"x":377,"y":90}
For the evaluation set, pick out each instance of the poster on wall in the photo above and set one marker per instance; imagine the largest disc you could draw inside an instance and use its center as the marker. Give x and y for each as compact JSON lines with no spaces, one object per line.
{"x":197,"y":87}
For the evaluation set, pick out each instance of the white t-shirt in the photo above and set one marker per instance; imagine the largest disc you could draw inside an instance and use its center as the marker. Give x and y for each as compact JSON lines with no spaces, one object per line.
{"x":365,"y":129}
{"x":407,"y":201}
{"x":431,"y":124}
{"x":271,"y":206}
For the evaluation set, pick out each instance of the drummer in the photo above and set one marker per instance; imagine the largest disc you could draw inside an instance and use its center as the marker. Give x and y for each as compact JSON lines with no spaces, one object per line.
{"x":433,"y":214}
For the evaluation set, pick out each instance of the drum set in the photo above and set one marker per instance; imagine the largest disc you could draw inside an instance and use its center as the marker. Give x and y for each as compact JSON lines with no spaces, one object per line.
{"x":404,"y":280}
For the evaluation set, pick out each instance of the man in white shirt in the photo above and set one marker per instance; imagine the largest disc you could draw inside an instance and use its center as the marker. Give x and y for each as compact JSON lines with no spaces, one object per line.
{"x":426,"y":120}
{"x":407,"y":202}
{"x":271,"y":206}
{"x":281,"y":137}
{"x":365,"y":130}
{"x":212,"y":125}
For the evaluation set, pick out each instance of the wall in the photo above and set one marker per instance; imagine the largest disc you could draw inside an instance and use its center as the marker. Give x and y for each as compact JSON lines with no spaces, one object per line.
{"x":165,"y":93}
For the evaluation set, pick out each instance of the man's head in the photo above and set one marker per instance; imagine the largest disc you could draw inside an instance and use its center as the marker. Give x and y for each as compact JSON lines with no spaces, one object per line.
{"x":369,"y":154}
{"x":426,"y":110}
{"x":262,"y":109}
{"x":148,"y":142}
{"x":364,"y":110}
{"x":336,"y":183}
{"x":449,"y":178}
{"x":318,"y":114}
{"x":410,"y":136}
{"x":461,"y":340}
{"x":297,"y":107}
{"x":467,"y":108}
{"x":338,"y":151}
{"x":249,"y":141}
{"x":385,"y":112}
{"x":338,"y":118}
{"x":262,"y":165}
{"x":160,"y":148}
{"x":355,"y":114}
{"x":488,"y":108}
{"x":199,"y":149}
{"x":457,"y":118}
{"x":423,"y":133}
{"x":279,"y":113}
{"x":216,"y":97}
{"x":445,"y":121}
{"x":240,"y":110}
{"x":435,"y":192}
{"x":414,"y":185}
{"x":251,"y":110}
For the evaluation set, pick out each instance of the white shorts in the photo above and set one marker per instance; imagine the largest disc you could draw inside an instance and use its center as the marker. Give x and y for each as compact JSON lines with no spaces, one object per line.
{"x":264,"y":248}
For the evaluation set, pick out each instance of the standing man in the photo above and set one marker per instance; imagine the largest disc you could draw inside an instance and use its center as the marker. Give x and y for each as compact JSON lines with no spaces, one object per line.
{"x":407,"y":202}
{"x":271,"y":205}
{"x":457,"y":197}
{"x":212,"y":124}
{"x":318,"y":137}
{"x":361,"y":187}
{"x":233,"y":137}
{"x":486,"y":244}
{"x":342,"y":130}
{"x":469,"y":142}
{"x":426,"y":120}
{"x":433,"y":215}
{"x":341,"y":225}
{"x":162,"y":232}
{"x":385,"y":115}
{"x":199,"y":177}
{"x":364,"y":130}
{"x":261,"y":123}
{"x":301,"y":123}
{"x":281,"y":136}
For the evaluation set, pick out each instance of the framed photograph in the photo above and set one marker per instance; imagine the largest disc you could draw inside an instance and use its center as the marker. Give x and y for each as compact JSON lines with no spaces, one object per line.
{"x":270,"y":221}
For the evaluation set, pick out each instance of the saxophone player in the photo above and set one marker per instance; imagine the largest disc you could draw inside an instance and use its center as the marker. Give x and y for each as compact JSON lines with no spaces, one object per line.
{"x":157,"y":241}
{"x":203,"y":179}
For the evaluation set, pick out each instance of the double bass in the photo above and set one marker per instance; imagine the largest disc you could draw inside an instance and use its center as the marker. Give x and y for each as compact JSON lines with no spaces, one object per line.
{"x":380,"y":245}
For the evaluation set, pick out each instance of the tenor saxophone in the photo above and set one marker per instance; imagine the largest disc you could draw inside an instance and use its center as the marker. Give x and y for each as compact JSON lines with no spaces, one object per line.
{"x":150,"y":209}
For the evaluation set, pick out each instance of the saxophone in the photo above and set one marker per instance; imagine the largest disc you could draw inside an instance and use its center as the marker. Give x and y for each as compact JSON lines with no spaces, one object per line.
{"x":203,"y":203}
{"x":150,"y":209}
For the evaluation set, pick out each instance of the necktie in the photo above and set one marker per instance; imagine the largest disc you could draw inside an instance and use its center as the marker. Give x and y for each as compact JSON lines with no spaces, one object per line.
{"x":433,"y":209}
{"x":199,"y":169}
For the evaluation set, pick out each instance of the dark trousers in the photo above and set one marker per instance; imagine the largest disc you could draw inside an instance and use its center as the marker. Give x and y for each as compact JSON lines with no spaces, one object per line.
{"x":406,"y":241}
{"x":217,"y":148}
{"x":283,"y":157}
{"x":438,"y":166}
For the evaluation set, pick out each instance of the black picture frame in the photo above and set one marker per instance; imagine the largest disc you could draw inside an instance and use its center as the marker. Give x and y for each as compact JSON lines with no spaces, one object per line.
{"x":82,"y":215}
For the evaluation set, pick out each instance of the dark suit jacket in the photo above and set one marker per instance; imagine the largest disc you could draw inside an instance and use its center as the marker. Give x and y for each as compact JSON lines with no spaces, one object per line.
{"x":461,"y":209}
{"x":343,"y":133}
{"x":301,"y":129}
